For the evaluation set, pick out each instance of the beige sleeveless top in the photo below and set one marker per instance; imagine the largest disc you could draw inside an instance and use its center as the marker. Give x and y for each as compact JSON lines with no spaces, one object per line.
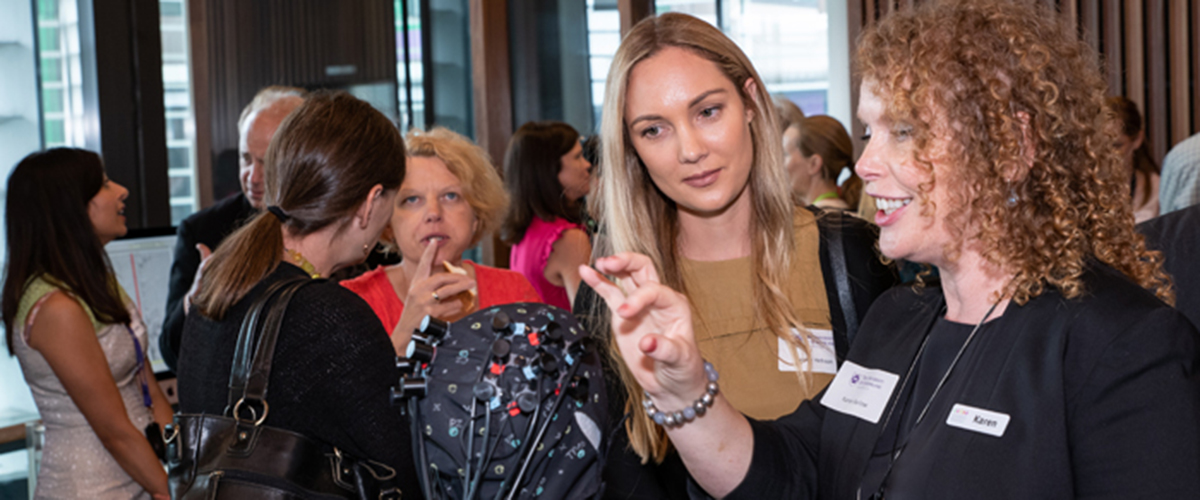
{"x":734,"y":339}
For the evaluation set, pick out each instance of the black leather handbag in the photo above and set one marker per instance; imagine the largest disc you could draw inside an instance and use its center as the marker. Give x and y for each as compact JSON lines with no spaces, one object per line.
{"x":234,"y":456}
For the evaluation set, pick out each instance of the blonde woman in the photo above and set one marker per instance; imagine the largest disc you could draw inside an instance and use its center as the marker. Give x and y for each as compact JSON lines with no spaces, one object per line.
{"x":693,"y":179}
{"x":450,"y":199}
{"x":815,"y":150}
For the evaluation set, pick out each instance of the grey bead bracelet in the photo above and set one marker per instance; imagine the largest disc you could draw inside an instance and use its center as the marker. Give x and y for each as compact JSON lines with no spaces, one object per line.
{"x":688,"y":414}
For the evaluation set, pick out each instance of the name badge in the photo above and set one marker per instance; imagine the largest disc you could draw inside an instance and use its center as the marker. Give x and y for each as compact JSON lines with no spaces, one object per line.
{"x":824,"y":359}
{"x":978,"y":420}
{"x":860,"y":392}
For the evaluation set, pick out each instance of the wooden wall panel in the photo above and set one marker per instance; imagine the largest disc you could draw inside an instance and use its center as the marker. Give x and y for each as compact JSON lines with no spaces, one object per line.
{"x":238,"y":47}
{"x":1154,"y":109}
{"x":1135,"y":50}
{"x":1195,"y":73}
{"x":1089,"y":22}
{"x":1149,"y":50}
{"x":1110,"y":45}
{"x":1177,"y":17}
{"x":632,"y":11}
{"x":492,"y":95}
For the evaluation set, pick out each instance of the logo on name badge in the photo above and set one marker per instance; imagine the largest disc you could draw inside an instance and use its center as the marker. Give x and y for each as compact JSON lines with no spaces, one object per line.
{"x":978,"y":420}
{"x":824,"y":359}
{"x":859,"y":391}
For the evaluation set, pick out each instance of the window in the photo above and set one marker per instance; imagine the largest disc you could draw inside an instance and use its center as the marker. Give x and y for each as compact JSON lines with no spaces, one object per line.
{"x":20,"y":134}
{"x":410,"y":72}
{"x":177,"y":102}
{"x":61,"y":74}
{"x":604,"y":36}
{"x":787,"y":40}
{"x":788,"y":43}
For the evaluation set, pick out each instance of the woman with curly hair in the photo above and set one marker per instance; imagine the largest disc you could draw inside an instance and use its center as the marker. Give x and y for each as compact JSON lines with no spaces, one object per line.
{"x":1047,"y":364}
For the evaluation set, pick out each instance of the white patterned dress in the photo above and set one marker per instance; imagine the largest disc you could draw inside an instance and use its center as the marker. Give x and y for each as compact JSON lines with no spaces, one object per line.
{"x":74,"y":462}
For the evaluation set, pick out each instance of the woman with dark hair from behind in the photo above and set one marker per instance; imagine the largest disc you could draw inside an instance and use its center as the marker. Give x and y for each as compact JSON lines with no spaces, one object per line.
{"x":1140,"y":168}
{"x":80,"y":342}
{"x":332,"y":173}
{"x":547,"y":175}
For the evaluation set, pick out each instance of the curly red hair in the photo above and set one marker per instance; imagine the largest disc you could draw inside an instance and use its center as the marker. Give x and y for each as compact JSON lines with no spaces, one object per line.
{"x":1002,"y":75}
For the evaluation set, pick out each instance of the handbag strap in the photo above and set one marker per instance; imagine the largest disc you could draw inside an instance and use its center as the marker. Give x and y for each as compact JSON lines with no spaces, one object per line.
{"x":837,"y":260}
{"x":252,"y":365}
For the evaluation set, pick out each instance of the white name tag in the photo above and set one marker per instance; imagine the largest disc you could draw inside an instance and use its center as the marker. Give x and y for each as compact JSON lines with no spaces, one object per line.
{"x":978,"y":420}
{"x":860,"y":392}
{"x":824,"y":359}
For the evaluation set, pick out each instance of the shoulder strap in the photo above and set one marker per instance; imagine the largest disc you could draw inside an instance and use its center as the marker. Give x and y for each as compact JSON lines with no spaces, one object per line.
{"x":251,"y":367}
{"x":837,"y":260}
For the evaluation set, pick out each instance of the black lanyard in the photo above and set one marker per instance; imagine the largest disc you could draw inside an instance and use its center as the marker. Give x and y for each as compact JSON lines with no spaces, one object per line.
{"x":898,"y":449}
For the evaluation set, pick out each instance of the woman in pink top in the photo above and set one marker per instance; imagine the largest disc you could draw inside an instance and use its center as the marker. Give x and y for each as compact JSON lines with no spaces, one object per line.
{"x":451,"y":197}
{"x":547,"y":175}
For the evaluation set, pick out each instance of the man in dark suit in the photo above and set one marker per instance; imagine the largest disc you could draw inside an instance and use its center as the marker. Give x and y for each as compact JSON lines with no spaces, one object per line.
{"x":1177,"y":236}
{"x":203,"y":231}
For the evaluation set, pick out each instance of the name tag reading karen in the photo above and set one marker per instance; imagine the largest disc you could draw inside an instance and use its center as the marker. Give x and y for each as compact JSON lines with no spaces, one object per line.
{"x":824,"y":359}
{"x":978,"y":420}
{"x":860,"y":392}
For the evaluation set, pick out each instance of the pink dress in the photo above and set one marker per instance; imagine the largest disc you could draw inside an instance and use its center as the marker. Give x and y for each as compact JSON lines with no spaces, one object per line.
{"x":496,"y":286}
{"x":529,"y":258}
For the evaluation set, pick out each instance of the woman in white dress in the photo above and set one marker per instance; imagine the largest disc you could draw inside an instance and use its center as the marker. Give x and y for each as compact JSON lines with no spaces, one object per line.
{"x":80,"y":342}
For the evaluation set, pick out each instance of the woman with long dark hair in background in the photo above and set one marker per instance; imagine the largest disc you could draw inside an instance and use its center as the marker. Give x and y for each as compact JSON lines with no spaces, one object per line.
{"x":1140,"y":168}
{"x":547,"y":175}
{"x":80,"y":341}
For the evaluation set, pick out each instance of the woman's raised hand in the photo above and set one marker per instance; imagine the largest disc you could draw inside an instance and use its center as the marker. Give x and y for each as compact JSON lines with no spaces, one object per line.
{"x":429,"y":294}
{"x":653,"y":327}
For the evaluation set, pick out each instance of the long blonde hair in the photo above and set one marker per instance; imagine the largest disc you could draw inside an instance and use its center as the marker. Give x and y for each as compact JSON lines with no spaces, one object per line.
{"x":637,"y":217}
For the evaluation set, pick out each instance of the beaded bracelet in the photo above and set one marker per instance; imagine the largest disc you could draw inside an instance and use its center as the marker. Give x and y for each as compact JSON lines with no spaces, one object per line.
{"x":689,"y":413}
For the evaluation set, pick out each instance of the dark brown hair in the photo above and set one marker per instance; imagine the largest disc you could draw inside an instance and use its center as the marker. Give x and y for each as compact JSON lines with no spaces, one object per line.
{"x":1130,"y":121}
{"x":51,"y":236}
{"x":531,"y":167}
{"x":965,"y":74}
{"x":324,"y":160}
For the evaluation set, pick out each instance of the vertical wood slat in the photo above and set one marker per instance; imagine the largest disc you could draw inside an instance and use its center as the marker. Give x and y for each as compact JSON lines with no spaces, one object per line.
{"x":1180,"y":106}
{"x":1111,"y":46}
{"x":632,"y":11}
{"x":1155,"y":112}
{"x":491,"y":82}
{"x":1195,"y":90}
{"x":1135,"y":50}
{"x":1070,"y":10}
{"x":1150,"y":51}
{"x":856,"y":20}
{"x":1089,"y":22}
{"x":198,"y":53}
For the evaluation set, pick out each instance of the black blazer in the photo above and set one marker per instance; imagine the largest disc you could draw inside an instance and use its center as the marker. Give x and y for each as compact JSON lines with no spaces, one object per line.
{"x":1177,"y":236}
{"x":210,"y":227}
{"x":1102,"y":392}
